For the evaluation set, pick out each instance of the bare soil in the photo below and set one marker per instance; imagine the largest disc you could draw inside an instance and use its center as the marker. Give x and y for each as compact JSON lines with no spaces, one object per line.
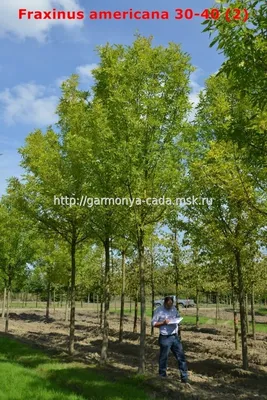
{"x":214,"y":364}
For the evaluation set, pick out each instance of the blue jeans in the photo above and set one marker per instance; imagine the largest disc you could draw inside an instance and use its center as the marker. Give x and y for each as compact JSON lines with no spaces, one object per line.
{"x":174,"y":344}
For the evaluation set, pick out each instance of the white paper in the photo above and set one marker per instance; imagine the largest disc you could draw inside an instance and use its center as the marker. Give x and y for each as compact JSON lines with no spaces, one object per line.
{"x":175,"y":321}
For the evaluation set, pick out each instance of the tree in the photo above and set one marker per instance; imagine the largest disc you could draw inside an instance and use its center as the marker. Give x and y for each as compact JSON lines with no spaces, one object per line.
{"x":228,"y":218}
{"x":144,"y":91}
{"x":56,"y":166}
{"x":16,"y":246}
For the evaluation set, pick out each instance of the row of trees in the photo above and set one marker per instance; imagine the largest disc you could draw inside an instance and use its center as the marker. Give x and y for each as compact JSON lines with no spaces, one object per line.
{"x":131,"y":137}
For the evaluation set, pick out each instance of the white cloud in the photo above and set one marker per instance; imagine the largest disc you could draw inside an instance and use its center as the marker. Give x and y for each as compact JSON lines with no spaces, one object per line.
{"x":85,"y":71}
{"x":28,"y":103}
{"x":59,"y":81}
{"x":195,"y":91}
{"x":11,"y":25}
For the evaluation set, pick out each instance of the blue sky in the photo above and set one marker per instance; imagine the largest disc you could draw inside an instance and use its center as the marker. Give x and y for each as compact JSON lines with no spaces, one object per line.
{"x":37,"y":55}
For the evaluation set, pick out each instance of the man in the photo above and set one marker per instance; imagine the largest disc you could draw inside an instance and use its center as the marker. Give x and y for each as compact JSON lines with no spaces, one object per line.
{"x":169,"y":339}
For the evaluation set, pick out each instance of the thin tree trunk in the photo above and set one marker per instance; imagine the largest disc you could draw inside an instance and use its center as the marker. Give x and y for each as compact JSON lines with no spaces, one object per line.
{"x":54,"y":300}
{"x":36,"y":303}
{"x":253,"y":312}
{"x":242,"y":310}
{"x":101,"y":311}
{"x":104,"y":349}
{"x":123,"y":274}
{"x":7,"y":307}
{"x":66,"y":305}
{"x":26,"y":299}
{"x":72,"y":296}
{"x":97,"y":307}
{"x":217,"y":308}
{"x":152,"y":289}
{"x":135,"y":314}
{"x":246,"y":306}
{"x":141,"y":251}
{"x":176,"y":266}
{"x":235,"y":320}
{"x":197,"y":308}
{"x":48,"y":302}
{"x":130,"y":305}
{"x":4,"y":304}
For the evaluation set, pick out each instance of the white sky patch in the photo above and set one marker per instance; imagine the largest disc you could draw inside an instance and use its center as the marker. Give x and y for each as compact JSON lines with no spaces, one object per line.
{"x":28,"y":103}
{"x":85,"y":71}
{"x":59,"y":81}
{"x":11,"y":25}
{"x":195,"y":91}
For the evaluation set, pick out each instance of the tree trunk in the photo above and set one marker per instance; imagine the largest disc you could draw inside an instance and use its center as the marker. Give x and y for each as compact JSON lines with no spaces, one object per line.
{"x":253,"y":312}
{"x":97,"y":307}
{"x":7,"y":307}
{"x":36,"y":303}
{"x":54,"y":300}
{"x":242,"y":310}
{"x":152,"y":289}
{"x":141,"y":251}
{"x":176,"y":267}
{"x":197,"y":308}
{"x":66,"y":305}
{"x":217,"y":308}
{"x":104,"y":349}
{"x":72,"y":296}
{"x":122,"y":295}
{"x":101,"y":311}
{"x":4,"y":304}
{"x":25,"y":299}
{"x":135,"y":314}
{"x":235,"y":320}
{"x":246,"y":306}
{"x":47,"y":302}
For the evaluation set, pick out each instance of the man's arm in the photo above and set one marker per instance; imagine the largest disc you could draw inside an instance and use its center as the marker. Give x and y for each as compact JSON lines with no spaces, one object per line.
{"x":155,"y":320}
{"x":159,"y":324}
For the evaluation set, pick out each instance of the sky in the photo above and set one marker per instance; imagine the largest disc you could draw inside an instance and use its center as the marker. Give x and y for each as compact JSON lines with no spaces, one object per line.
{"x":37,"y":55}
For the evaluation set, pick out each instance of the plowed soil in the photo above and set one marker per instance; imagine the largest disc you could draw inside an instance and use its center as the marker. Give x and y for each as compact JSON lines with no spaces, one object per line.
{"x":214,"y":364}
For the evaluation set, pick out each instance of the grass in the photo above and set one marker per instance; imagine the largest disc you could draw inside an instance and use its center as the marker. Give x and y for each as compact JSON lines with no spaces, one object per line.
{"x":30,"y":374}
{"x":191,"y":319}
{"x":262,"y":311}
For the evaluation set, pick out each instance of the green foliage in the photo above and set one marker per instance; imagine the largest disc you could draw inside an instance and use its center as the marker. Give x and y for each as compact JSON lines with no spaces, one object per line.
{"x":245,"y":46}
{"x":17,"y":245}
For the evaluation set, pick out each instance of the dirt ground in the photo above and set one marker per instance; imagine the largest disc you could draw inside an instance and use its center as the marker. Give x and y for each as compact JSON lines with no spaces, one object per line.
{"x":214,"y":365}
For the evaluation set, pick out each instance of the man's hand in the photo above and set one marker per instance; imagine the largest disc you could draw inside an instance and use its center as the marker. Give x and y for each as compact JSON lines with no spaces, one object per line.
{"x":166,"y":322}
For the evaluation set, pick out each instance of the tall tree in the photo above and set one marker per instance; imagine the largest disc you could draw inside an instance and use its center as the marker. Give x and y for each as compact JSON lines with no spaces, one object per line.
{"x":144,"y":90}
{"x":56,"y":172}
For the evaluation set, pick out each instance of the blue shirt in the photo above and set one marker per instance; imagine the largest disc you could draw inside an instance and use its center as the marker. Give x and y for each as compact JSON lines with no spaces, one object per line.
{"x":162,"y":313}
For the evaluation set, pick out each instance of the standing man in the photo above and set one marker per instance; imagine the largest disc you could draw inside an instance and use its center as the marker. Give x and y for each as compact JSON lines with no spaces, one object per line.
{"x":169,"y":339}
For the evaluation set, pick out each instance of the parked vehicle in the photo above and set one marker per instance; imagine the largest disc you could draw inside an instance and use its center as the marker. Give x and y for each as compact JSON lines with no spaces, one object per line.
{"x":182,"y":302}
